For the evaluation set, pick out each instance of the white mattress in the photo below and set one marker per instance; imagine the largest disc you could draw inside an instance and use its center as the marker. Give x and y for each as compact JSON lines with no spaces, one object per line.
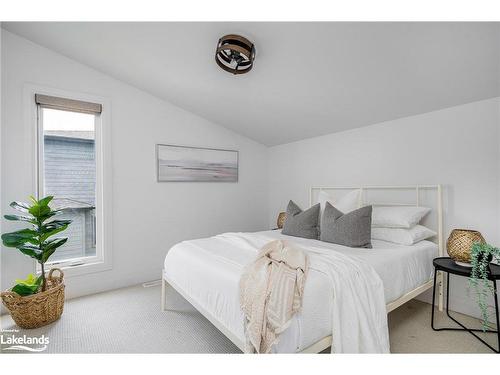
{"x":208,"y":271}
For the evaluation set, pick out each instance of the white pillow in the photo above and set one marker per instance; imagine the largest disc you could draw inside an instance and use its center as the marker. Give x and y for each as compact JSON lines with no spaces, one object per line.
{"x":347,"y":203}
{"x":403,"y":236}
{"x":398,"y":216}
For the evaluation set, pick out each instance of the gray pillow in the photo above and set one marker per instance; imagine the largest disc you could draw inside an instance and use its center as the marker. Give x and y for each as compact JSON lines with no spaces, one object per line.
{"x":352,"y":229}
{"x":300,"y":223}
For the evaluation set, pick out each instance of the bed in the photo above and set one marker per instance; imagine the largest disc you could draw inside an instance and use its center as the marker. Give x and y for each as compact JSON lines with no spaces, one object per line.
{"x":215,"y":266}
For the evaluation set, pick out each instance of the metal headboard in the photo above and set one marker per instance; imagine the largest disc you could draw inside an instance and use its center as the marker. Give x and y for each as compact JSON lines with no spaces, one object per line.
{"x":415,"y":202}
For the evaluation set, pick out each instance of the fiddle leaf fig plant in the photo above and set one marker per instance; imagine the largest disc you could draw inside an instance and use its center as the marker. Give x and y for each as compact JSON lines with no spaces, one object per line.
{"x":35,"y":241}
{"x":481,"y":256}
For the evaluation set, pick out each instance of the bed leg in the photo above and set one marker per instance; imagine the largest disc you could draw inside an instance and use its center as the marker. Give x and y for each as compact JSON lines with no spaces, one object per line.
{"x":440,"y":290}
{"x":163,"y":293}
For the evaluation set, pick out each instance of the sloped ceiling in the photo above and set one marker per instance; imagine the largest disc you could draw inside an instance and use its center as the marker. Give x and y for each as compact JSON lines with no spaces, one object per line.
{"x":309,"y":79}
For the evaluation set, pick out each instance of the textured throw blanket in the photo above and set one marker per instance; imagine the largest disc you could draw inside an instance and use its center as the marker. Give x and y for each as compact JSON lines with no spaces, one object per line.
{"x":359,"y":316}
{"x":271,"y":291}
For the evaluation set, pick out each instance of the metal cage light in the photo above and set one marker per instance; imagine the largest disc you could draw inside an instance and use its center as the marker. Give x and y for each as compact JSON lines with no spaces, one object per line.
{"x":235,"y":54}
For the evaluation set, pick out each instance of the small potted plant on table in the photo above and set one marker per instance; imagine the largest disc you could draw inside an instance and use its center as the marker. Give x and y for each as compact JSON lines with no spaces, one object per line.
{"x":36,"y":301}
{"x":481,"y":256}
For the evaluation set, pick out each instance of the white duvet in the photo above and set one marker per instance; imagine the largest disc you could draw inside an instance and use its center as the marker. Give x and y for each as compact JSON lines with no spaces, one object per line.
{"x":345,"y":293}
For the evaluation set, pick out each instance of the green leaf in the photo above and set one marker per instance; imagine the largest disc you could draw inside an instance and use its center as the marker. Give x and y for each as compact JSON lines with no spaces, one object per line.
{"x":53,"y":244}
{"x":28,"y":219}
{"x":51,"y":233}
{"x":39,"y":280}
{"x":25,"y":290}
{"x":20,"y":206}
{"x":20,"y":237}
{"x":39,"y":211}
{"x":54,"y":224}
{"x":47,"y":253}
{"x":50,"y":246}
{"x":52,"y":228}
{"x":30,"y":280}
{"x":29,"y":285}
{"x":48,"y":215}
{"x":31,"y":251}
{"x":45,"y":201}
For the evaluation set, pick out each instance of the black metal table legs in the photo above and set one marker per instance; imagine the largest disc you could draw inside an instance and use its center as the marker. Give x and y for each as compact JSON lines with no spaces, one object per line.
{"x":464,"y":328}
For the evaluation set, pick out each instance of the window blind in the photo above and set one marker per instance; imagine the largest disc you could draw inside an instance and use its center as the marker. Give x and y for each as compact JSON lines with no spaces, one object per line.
{"x":64,"y":104}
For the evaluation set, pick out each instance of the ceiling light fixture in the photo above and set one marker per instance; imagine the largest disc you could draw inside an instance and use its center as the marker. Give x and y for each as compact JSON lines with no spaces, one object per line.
{"x":235,"y":54}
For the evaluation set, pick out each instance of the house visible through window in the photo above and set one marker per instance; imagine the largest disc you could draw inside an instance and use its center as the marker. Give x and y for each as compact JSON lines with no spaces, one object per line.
{"x":68,"y":171}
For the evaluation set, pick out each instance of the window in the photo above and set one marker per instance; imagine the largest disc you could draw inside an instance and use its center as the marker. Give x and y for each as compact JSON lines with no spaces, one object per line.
{"x":69,"y":169}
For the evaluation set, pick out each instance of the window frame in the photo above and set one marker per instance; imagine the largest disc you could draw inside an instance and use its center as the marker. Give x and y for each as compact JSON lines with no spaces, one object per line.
{"x":102,"y":261}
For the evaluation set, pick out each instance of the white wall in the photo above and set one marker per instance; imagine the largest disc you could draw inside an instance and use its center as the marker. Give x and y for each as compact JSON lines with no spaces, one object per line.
{"x":148,"y":217}
{"x":457,"y":147}
{"x":1,"y":224}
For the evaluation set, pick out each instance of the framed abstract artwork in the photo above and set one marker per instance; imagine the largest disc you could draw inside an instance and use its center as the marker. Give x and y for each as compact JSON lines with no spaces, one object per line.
{"x":195,"y":164}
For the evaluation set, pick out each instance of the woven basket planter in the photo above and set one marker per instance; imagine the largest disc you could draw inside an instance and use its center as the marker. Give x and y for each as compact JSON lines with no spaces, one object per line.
{"x":37,"y":309}
{"x":281,"y":220}
{"x":460,"y":242}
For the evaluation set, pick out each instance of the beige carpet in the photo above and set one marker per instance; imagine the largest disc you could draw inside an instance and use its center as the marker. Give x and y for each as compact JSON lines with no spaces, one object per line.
{"x":129,"y":320}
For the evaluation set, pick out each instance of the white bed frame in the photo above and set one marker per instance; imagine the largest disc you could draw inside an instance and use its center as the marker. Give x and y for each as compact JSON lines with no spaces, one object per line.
{"x":326,"y":342}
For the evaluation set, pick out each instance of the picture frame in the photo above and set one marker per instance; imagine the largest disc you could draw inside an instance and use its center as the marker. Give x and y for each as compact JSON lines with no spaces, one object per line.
{"x":176,"y":163}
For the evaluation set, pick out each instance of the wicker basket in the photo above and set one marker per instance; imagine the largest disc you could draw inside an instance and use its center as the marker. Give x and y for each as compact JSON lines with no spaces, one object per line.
{"x":460,"y":242}
{"x":37,"y":309}
{"x":281,"y":220}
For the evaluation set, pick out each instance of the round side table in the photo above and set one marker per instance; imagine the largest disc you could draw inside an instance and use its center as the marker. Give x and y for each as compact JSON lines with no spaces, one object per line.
{"x":447,"y":265}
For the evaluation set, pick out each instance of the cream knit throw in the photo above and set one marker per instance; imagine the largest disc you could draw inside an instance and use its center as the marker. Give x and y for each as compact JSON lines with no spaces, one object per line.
{"x":271,"y":290}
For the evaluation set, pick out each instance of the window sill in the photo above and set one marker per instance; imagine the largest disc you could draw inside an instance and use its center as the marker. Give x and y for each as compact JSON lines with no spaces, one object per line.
{"x":78,"y":270}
